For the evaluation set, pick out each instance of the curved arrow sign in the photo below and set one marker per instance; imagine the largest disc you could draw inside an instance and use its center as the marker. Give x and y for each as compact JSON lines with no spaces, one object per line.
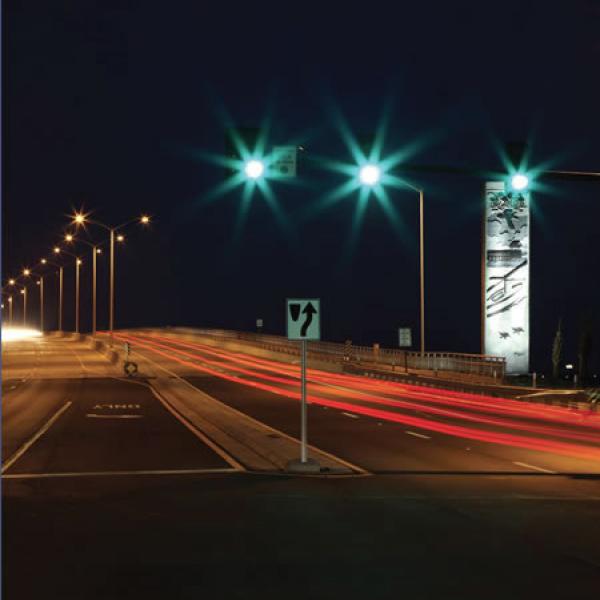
{"x":303,"y":317}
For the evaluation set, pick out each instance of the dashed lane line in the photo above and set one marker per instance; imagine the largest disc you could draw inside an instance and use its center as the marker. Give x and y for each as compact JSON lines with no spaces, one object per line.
{"x":528,"y":466}
{"x":415,"y":434}
{"x":15,"y":457}
{"x":350,"y":415}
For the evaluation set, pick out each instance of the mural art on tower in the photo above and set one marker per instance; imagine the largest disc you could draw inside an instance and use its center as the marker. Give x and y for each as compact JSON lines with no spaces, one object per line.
{"x":506,"y":292}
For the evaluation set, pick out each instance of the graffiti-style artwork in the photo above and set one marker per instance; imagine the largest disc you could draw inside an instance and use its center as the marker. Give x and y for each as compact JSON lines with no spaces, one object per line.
{"x":506,"y":248}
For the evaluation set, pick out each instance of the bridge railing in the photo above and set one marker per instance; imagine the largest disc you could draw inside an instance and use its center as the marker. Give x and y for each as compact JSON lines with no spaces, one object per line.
{"x":454,"y":364}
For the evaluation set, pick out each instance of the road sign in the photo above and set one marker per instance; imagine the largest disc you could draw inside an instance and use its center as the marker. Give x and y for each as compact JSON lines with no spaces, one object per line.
{"x":284,"y":161}
{"x":404,"y":337}
{"x":303,"y":318}
{"x":259,"y":323}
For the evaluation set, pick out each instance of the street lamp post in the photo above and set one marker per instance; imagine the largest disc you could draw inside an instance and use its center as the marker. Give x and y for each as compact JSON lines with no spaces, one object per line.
{"x":422,"y":267}
{"x":40,"y":282}
{"x":24,"y":292}
{"x":78,"y":263}
{"x":82,"y":219}
{"x":370,"y":175}
{"x":95,"y":251}
{"x":60,"y":268}
{"x":10,"y":310}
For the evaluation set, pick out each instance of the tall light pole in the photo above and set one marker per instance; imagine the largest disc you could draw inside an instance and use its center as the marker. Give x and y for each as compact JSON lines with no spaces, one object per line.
{"x":78,"y":263}
{"x":422,"y":267}
{"x":370,"y":175}
{"x":95,"y":251}
{"x":60,"y":268}
{"x":80,"y":219}
{"x":11,"y":283}
{"x":40,"y":282}
{"x":24,"y":293}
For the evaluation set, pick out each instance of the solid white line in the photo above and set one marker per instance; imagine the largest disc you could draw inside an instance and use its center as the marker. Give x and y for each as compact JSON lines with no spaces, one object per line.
{"x":419,"y":435}
{"x":118,"y":473}
{"x":199,"y":434}
{"x":94,"y":416}
{"x":11,"y":461}
{"x":350,"y":415}
{"x":526,"y":466}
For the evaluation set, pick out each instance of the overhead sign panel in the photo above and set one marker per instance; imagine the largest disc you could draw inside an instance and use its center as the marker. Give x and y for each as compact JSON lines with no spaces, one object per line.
{"x":284,"y":161}
{"x":506,"y":281}
{"x":303,"y":318}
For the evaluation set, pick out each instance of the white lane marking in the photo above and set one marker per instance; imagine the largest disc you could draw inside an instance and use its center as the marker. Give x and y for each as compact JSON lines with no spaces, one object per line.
{"x":351,"y":466}
{"x":117,"y":473}
{"x":199,"y":434}
{"x":419,"y":435}
{"x":350,"y":415}
{"x":11,"y":461}
{"x":549,"y":393}
{"x":527,"y":466}
{"x":95,"y":416}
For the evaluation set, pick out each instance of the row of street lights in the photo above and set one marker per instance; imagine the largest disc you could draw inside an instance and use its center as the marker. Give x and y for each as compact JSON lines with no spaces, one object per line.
{"x":78,"y":220}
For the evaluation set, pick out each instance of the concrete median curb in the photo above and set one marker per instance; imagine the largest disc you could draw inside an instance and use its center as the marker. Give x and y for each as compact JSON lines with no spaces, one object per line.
{"x":256,"y":445}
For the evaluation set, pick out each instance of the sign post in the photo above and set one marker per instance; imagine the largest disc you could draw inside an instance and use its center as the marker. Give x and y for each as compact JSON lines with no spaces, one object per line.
{"x":303,"y":318}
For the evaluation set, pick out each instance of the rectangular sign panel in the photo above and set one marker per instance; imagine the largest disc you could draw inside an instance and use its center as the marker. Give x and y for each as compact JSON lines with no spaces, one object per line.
{"x":303,"y":317}
{"x":404,"y":337}
{"x":506,"y":261}
{"x":284,"y":161}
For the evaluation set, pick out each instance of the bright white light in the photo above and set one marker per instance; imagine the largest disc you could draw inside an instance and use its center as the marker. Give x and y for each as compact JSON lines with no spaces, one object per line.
{"x":254,"y":169}
{"x":14,"y":334}
{"x":370,"y":174}
{"x":519,"y":181}
{"x":569,"y":367}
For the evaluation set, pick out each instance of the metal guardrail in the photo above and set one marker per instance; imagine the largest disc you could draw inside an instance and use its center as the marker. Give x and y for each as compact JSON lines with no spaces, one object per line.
{"x":467,"y":366}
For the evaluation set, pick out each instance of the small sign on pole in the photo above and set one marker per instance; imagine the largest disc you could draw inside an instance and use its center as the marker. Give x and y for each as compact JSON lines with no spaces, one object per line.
{"x":404,"y":337}
{"x":303,"y":318}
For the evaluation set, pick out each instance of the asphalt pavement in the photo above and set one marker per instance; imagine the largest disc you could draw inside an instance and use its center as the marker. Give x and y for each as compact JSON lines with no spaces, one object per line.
{"x":385,"y":426}
{"x":109,"y":493}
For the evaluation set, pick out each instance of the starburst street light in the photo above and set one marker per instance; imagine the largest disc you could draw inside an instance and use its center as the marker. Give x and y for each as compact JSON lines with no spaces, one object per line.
{"x":254,"y":168}
{"x":369,"y":174}
{"x":519,"y":181}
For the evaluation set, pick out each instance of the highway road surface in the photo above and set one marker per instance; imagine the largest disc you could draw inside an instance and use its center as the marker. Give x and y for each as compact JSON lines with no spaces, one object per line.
{"x":170,"y":484}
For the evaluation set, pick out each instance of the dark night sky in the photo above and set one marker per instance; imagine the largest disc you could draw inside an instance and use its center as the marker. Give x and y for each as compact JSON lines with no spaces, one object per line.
{"x":104,"y":103}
